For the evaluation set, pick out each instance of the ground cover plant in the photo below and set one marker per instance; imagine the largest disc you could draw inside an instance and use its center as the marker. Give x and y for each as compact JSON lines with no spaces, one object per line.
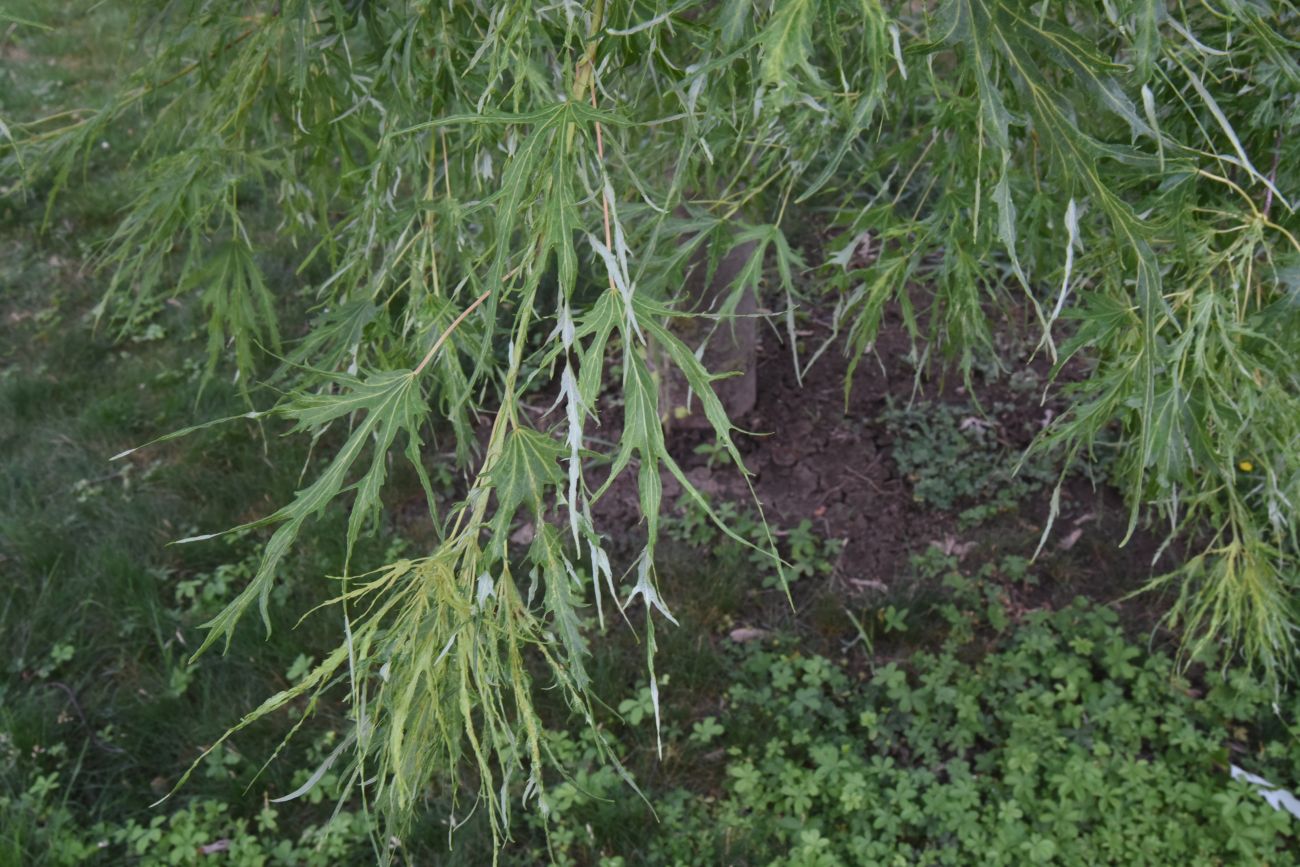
{"x":486,"y":209}
{"x":1061,"y":743}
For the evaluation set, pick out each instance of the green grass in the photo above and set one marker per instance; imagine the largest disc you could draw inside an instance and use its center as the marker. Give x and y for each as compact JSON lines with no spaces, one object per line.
{"x":95,"y":686}
{"x":92,"y":624}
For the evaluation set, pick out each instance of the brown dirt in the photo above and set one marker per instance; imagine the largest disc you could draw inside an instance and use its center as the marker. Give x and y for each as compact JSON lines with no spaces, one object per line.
{"x":813,"y":455}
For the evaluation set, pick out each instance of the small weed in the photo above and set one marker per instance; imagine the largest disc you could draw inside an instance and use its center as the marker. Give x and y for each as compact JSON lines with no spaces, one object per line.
{"x":953,"y":458}
{"x":805,"y":553}
{"x":715,"y":454}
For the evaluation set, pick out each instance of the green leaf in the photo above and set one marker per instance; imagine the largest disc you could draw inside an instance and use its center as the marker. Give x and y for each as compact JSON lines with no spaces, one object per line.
{"x":734,"y":17}
{"x":787,"y":41}
{"x":528,"y":466}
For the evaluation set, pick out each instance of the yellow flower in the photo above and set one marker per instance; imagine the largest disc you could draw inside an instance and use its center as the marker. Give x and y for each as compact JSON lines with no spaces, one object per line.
{"x":1246,"y":466}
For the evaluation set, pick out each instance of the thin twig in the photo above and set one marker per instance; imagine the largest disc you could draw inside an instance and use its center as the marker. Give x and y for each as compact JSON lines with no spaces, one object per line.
{"x":604,"y":193}
{"x":450,"y":328}
{"x":1272,"y":174}
{"x":446,"y":166}
{"x":585,"y":79}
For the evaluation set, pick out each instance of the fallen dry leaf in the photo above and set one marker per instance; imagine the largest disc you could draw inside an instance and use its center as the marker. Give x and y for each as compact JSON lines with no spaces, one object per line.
{"x":952,"y":547}
{"x":1070,"y":539}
